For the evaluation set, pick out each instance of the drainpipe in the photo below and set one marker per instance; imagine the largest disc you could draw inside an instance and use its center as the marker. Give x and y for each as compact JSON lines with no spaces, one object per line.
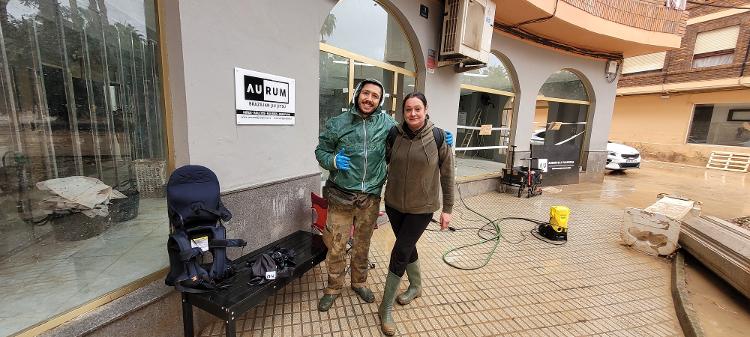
{"x":743,"y":65}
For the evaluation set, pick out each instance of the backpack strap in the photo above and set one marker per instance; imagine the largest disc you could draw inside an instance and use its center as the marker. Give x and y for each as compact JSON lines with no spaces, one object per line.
{"x":221,"y":267}
{"x":226,"y":243}
{"x":389,"y":140}
{"x":439,"y":136}
{"x":186,"y":274}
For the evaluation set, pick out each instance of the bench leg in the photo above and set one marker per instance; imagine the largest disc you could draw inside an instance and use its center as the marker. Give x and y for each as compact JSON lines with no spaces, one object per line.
{"x":187,"y":316}
{"x":231,"y":328}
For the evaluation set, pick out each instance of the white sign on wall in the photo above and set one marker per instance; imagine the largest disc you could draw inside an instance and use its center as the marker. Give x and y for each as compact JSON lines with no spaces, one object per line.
{"x":542,"y":164}
{"x":462,"y":118}
{"x":263,"y":99}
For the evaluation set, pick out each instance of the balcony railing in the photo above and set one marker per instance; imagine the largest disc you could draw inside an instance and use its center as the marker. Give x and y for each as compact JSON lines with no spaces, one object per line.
{"x":651,"y":15}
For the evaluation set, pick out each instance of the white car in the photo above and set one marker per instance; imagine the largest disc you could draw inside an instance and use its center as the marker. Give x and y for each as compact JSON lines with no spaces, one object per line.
{"x":619,"y":156}
{"x":537,"y":138}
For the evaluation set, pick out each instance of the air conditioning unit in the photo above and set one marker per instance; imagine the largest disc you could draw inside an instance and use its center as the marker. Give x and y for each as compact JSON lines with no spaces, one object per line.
{"x":467,"y":31}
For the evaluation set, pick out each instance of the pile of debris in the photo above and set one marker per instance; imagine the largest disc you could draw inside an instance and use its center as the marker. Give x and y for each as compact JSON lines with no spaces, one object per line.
{"x":743,"y":222}
{"x":77,"y":194}
{"x":673,"y":222}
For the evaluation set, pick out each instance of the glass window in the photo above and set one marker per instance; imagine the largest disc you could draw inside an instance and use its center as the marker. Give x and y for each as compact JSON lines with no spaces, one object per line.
{"x":406,"y":85}
{"x":80,"y":108}
{"x":483,"y":128}
{"x":700,"y":124}
{"x":359,"y":37}
{"x":334,"y":86}
{"x":720,"y":124}
{"x":364,"y":27}
{"x":700,"y":61}
{"x":494,"y":76}
{"x":566,"y":85}
{"x":364,"y":71}
{"x":559,"y":127}
{"x":484,"y":116}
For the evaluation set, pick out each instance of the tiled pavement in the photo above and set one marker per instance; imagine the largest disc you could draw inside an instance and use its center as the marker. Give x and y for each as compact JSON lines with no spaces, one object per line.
{"x":590,"y":286}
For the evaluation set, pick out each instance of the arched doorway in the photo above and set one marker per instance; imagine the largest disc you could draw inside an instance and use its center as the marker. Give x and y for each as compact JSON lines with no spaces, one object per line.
{"x":560,"y":126}
{"x":485,"y":110}
{"x":360,"y":39}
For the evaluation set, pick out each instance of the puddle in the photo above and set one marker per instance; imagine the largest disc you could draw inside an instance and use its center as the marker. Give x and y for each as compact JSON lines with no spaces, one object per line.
{"x":722,"y":311}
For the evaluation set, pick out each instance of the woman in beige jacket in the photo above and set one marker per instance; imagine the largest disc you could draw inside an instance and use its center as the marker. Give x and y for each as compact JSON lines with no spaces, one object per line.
{"x":420,"y":167}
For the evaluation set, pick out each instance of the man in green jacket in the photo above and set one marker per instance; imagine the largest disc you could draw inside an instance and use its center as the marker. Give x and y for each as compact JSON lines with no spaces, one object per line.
{"x":352,"y":148}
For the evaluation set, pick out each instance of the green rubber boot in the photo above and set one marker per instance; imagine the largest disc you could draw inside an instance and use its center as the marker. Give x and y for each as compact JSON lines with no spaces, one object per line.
{"x":365,"y":294}
{"x":389,"y":296}
{"x":326,"y":302}
{"x":415,"y":284}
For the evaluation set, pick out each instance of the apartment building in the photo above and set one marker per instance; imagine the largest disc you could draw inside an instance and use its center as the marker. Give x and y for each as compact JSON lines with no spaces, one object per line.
{"x":680,"y":105}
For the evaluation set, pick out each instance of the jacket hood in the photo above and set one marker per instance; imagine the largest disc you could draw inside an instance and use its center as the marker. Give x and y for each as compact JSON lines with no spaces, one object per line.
{"x":353,"y":108}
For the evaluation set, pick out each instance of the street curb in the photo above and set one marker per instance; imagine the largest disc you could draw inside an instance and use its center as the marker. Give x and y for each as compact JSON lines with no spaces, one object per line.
{"x":685,"y":314}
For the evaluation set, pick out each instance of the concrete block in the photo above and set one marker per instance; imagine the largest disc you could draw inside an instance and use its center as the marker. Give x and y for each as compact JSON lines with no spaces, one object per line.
{"x":655,"y":230}
{"x":721,"y":246}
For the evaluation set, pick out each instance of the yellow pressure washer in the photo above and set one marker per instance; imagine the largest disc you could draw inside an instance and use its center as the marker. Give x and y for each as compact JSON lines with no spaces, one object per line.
{"x":557,"y":228}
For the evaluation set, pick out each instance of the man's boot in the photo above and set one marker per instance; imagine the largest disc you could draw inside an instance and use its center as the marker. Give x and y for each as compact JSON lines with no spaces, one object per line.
{"x":415,"y":284}
{"x":389,"y":296}
{"x":365,"y":294}
{"x":326,"y":302}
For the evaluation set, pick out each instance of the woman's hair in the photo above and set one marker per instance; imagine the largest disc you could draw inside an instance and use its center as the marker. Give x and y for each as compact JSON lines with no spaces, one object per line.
{"x":416,"y":94}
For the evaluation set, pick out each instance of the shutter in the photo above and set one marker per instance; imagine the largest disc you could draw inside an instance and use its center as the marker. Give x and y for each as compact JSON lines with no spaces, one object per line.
{"x":715,"y":40}
{"x":641,"y":63}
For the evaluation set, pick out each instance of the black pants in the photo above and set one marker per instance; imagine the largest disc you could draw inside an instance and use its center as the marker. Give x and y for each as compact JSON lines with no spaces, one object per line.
{"x":407,"y":228}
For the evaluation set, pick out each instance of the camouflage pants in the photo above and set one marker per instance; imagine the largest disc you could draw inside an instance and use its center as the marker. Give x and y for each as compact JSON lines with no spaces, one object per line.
{"x":336,"y":235}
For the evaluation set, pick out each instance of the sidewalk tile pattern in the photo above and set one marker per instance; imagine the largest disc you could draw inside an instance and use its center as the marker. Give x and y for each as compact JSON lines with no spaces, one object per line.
{"x":591,"y":286}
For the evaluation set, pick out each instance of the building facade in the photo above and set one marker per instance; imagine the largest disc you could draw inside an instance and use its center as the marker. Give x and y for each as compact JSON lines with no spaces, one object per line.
{"x":125,"y":91}
{"x":683,"y":104}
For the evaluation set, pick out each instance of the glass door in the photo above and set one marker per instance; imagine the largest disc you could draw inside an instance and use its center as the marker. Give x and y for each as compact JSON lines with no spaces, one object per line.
{"x":334,"y":86}
{"x":364,"y":71}
{"x":340,"y":74}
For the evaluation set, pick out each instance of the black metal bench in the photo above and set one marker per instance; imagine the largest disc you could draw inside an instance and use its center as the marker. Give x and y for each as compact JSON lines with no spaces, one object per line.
{"x":230,"y":303}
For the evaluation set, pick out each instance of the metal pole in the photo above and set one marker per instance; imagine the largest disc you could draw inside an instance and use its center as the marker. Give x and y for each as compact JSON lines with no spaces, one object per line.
{"x":135,"y":100}
{"x":70,"y":96}
{"x":124,"y":106}
{"x":92,"y":104}
{"x":14,"y":122}
{"x":41,"y":92}
{"x":23,"y":203}
{"x":157,"y":100}
{"x":146,"y":101}
{"x":107,"y":103}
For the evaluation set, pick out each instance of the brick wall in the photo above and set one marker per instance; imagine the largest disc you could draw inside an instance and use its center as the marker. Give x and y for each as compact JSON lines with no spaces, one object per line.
{"x":698,"y":10}
{"x":678,"y":62}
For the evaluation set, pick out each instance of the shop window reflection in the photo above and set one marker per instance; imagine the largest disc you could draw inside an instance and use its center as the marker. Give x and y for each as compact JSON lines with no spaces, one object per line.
{"x":79,"y":97}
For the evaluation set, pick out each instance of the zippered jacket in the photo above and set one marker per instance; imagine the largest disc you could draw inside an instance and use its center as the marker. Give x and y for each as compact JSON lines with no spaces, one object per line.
{"x":419,"y":171}
{"x":363,"y":140}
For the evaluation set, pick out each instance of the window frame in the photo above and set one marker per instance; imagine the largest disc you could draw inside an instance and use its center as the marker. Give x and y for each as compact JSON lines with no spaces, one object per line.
{"x":712,"y":54}
{"x":730,"y":116}
{"x":647,"y":71}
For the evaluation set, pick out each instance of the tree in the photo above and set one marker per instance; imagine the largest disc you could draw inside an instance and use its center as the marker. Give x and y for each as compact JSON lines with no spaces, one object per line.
{"x":328,"y":27}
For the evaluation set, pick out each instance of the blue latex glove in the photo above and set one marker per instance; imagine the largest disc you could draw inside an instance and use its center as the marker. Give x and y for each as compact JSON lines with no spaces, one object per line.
{"x":342,"y":161}
{"x":449,"y":138}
